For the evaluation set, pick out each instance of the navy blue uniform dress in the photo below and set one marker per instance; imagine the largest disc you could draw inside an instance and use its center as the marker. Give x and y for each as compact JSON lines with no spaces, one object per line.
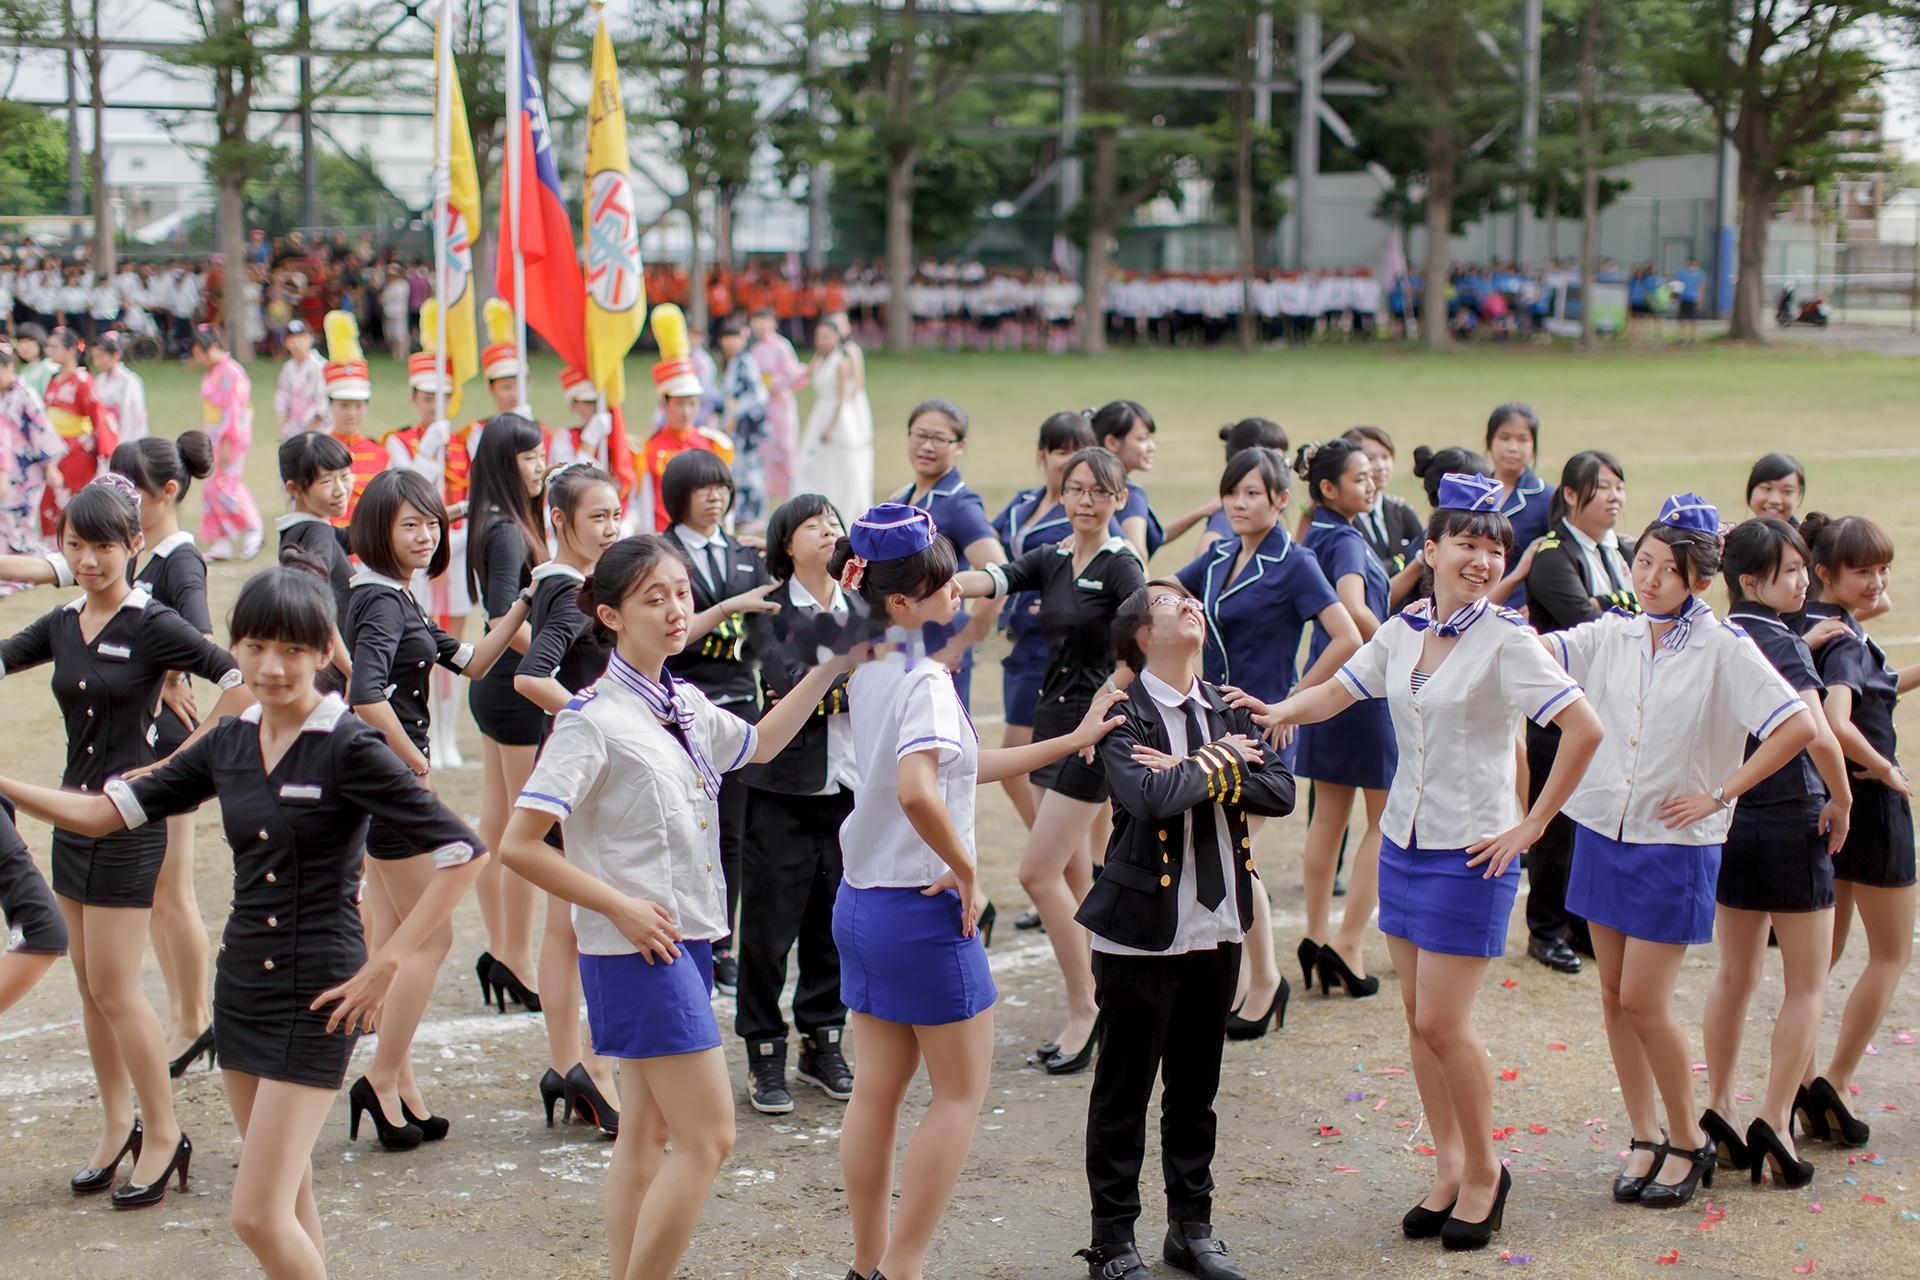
{"x":1026,"y":663}
{"x":1879,"y":847}
{"x":1254,"y":621}
{"x":1356,"y":747}
{"x":1137,"y":505}
{"x":1775,"y":858}
{"x":961,"y":517}
{"x":1528,"y":509}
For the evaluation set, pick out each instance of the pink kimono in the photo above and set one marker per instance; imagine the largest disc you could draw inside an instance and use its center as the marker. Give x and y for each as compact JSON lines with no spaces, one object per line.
{"x":30,"y":453}
{"x":226,"y":404}
{"x":784,"y":374}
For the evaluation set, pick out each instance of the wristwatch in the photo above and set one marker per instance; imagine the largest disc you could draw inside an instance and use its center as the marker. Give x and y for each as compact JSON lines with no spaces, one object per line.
{"x":1721,"y":798}
{"x":526,"y":596}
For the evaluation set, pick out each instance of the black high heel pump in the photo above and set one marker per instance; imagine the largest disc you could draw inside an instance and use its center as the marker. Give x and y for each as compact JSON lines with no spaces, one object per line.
{"x":202,"y":1043}
{"x":1842,"y":1126}
{"x":1627,"y":1187}
{"x":132,"y":1196}
{"x":394,"y":1137}
{"x":1333,"y":968}
{"x":1671,"y":1195}
{"x":1725,"y":1139}
{"x":483,"y":970}
{"x":432,"y":1129}
{"x":1309,"y":953}
{"x":1768,"y":1149}
{"x":89,"y":1181}
{"x":1060,"y":1065}
{"x":1239,"y":1028}
{"x":1422,"y":1223}
{"x":985,"y":925}
{"x":507,"y":986}
{"x":1456,"y":1236}
{"x":1813,"y":1123}
{"x":585,"y":1100}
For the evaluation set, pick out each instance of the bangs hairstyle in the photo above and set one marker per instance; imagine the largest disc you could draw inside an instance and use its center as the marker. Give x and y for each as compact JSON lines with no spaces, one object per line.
{"x":1511,"y":411}
{"x":101,"y":513}
{"x":916,"y":576}
{"x":1114,"y":420}
{"x":499,"y":492}
{"x":1759,"y":547}
{"x":1106,"y":469}
{"x":1135,"y":614}
{"x":785,"y":521}
{"x":1846,"y":542}
{"x":1255,"y":433}
{"x":945,"y":407}
{"x":1775,"y":466}
{"x":1696,"y":554}
{"x":688,"y":473}
{"x":1582,"y":475}
{"x":1066,"y":432}
{"x":311,"y":454}
{"x":1365,"y":435}
{"x":1446,"y":522}
{"x":568,"y":487}
{"x":151,"y":461}
{"x":287,"y":604}
{"x":370,"y":537}
{"x":620,"y":572}
{"x":1431,"y":464}
{"x":1270,"y":465}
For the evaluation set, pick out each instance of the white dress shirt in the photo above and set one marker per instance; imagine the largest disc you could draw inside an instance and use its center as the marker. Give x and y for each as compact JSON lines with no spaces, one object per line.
{"x":1677,"y":720}
{"x":1198,"y":929}
{"x":901,"y":706}
{"x":842,"y":769}
{"x":1600,"y":556}
{"x":696,"y":545}
{"x":1454,"y":785}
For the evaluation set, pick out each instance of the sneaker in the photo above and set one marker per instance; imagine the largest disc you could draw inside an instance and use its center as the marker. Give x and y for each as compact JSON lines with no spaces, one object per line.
{"x":767,"y":1077}
{"x":824,"y":1066}
{"x":220,"y":549}
{"x":726,"y":972}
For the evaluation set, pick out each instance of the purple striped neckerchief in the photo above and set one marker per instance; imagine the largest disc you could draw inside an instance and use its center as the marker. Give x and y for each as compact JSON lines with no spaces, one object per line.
{"x":663,"y":699}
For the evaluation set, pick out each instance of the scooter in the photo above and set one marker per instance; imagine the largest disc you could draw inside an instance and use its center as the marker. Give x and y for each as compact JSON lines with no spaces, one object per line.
{"x":1813,"y":311}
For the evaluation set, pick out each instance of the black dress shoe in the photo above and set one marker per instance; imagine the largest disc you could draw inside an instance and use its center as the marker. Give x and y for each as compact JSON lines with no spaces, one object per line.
{"x":1028,"y":920}
{"x":1191,"y":1246}
{"x":1114,"y":1262}
{"x":1556,"y":955}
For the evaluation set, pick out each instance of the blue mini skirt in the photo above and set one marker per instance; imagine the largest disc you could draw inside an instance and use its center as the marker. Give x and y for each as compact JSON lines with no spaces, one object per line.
{"x":1434,"y":900}
{"x":903,"y":959}
{"x":641,"y":1010}
{"x":1654,"y":892}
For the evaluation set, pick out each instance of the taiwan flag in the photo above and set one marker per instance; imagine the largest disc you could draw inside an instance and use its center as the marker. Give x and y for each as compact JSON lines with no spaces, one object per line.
{"x":556,"y":301}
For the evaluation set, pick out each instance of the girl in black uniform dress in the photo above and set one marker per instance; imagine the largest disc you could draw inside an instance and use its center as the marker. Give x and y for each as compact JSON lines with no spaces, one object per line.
{"x":567,"y":653}
{"x":1080,"y":582}
{"x":505,"y":539}
{"x":400,"y":528}
{"x":316,"y":470}
{"x":36,"y":934}
{"x":297,"y":775}
{"x":111,"y":649}
{"x":1874,"y":870}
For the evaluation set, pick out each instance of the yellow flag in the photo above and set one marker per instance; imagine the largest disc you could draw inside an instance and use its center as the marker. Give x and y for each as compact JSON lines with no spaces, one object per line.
{"x":457,"y":228}
{"x":616,"y":289}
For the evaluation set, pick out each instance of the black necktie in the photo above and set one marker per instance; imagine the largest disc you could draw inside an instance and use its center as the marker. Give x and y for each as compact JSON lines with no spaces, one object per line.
{"x":715,"y":567}
{"x":1210,"y":885}
{"x":1613,"y":574}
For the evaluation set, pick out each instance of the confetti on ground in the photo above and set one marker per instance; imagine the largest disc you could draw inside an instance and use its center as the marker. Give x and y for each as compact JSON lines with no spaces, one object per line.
{"x":1328,"y":1131}
{"x":1555,"y":1044}
{"x":1889,"y":1106}
{"x":1815,"y":1207}
{"x":1380,"y":1105}
{"x":1715,"y":1216}
{"x":1699,"y":1066}
{"x":1668,"y":1258}
{"x":1426,"y":1150}
{"x":1508,"y":983}
{"x":1355,"y":1097}
{"x":1389,"y":1071}
{"x":1536,"y":1128}
{"x":1871,"y":1198}
{"x":1509,"y":1073}
{"x":1803,"y":1269}
{"x":1873,"y":1050}
{"x":1516,"y":1259}
{"x":1340,"y":1168}
{"x":1903,"y":1037}
{"x":1854,"y":1089}
{"x":1501,"y":1135}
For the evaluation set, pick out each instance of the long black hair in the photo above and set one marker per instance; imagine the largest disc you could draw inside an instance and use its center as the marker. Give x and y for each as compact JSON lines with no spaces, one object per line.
{"x":1582,"y":475}
{"x":499,"y":492}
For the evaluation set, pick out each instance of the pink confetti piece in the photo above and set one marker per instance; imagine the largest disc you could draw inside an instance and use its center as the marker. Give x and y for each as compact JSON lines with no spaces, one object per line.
{"x":1853,"y":1089}
{"x":1389,"y":1071}
{"x":1536,"y":1128}
{"x":1903,"y":1037}
{"x":1816,"y":1207}
{"x":1699,"y":1066}
{"x":1509,"y":1073}
{"x":1380,"y":1105}
{"x":1873,"y":1050}
{"x":1871,"y":1198}
{"x":1889,"y":1106}
{"x":1340,"y":1168}
{"x":1501,"y":1135}
{"x":1328,"y":1131}
{"x":1668,"y":1258}
{"x":1404,"y":1124}
{"x":1806,"y":1270}
{"x":1426,"y":1150}
{"x":1508,"y":983}
{"x":1555,"y":1044}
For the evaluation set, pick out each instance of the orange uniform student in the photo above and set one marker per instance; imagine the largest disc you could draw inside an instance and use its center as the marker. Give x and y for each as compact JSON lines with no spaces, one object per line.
{"x":679,"y":390}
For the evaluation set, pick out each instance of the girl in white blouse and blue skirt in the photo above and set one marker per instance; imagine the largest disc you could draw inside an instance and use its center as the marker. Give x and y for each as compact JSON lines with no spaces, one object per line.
{"x":913,"y":972}
{"x":1679,"y":692}
{"x":632,"y":773}
{"x":1458,"y":674}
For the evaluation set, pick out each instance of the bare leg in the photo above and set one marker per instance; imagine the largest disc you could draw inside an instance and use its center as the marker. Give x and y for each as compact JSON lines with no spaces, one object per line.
{"x":510,"y":926}
{"x":1324,"y":831}
{"x":1629,"y":1058}
{"x":1057,"y":881}
{"x":494,"y":806}
{"x":180,"y":940}
{"x":1843,"y":904}
{"x":1805,"y":941}
{"x":116,"y":938}
{"x":109,"y":1070}
{"x":390,"y":1073}
{"x":1443,"y":1021}
{"x":1743,"y":951}
{"x":1887,"y":915}
{"x":1428,"y":1078}
{"x":1648,"y":973}
{"x":637,"y":1156}
{"x":19,"y":970}
{"x":889,"y":1054}
{"x":1018,"y":789}
{"x":693,"y":1092}
{"x":1363,"y":889}
{"x":959,"y":1057}
{"x":274,"y":1212}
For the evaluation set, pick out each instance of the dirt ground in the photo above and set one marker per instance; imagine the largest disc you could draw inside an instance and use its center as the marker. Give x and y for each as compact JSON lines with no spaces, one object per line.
{"x":1320,"y":1147}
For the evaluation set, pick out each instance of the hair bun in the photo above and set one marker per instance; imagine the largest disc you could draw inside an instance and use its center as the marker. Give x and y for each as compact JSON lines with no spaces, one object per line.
{"x":1422,"y":459}
{"x":1303,"y":460}
{"x":1813,"y":524}
{"x":294,"y":556}
{"x":583,"y":599}
{"x":1226,"y":432}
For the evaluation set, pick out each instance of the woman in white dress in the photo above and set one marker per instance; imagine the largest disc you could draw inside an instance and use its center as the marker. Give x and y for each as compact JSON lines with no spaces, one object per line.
{"x":836,"y":448}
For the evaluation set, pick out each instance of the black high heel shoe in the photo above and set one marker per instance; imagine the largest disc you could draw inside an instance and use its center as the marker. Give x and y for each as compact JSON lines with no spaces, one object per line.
{"x":553,"y":1088}
{"x":1309,"y":953}
{"x":90,"y":1181}
{"x":202,"y":1043}
{"x":1813,"y":1123}
{"x":483,"y":970}
{"x":985,"y":925}
{"x":1422,"y":1223}
{"x":1842,"y":1127}
{"x":1671,"y":1195}
{"x":1768,"y":1149}
{"x":1060,"y":1065}
{"x":1726,"y":1139}
{"x":1333,"y":968}
{"x":1627,"y":1187}
{"x":1239,"y":1028}
{"x":585,"y":1100}
{"x":1456,"y":1236}
{"x":432,"y":1129}
{"x":507,"y":986}
{"x":394,"y":1137}
{"x":138,"y":1197}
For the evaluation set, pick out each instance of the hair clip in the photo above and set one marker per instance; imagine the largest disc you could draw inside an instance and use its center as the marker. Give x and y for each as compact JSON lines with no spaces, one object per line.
{"x":114,"y":480}
{"x":853,"y":572}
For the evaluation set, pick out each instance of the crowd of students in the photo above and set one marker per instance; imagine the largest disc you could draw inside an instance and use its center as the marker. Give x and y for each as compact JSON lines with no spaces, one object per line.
{"x":725,"y":715}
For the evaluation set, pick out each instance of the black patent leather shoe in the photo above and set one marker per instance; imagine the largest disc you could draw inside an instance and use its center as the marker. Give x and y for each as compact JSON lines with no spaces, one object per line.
{"x":1627,"y":1187}
{"x":1120,"y":1261}
{"x":1191,"y":1246}
{"x":1671,"y":1195}
{"x":92,"y":1181}
{"x":134,"y":1196}
{"x":1556,"y":955}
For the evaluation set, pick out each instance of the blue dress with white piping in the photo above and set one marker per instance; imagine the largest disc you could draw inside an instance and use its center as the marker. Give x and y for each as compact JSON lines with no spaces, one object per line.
{"x":1356,"y":747}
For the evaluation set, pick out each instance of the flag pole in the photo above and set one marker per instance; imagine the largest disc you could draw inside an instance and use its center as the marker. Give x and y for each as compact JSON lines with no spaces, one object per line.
{"x":516,"y":108}
{"x":442,"y":196}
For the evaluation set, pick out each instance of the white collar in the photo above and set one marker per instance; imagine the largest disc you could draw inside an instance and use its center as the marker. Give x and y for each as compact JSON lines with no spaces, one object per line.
{"x":172,"y":542}
{"x":368,"y":578}
{"x":289,"y":520}
{"x":1168,"y":696}
{"x":696,"y":542}
{"x":134,"y":599}
{"x":1114,"y":542}
{"x":1612,"y":542}
{"x":803,"y":597}
{"x":556,"y":569}
{"x":322,"y":720}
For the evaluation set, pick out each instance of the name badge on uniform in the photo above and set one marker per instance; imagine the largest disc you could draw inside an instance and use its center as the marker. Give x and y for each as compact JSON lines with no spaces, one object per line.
{"x":299,"y":791}
{"x":1089,"y":584}
{"x":117,"y":651}
{"x":388,"y":691}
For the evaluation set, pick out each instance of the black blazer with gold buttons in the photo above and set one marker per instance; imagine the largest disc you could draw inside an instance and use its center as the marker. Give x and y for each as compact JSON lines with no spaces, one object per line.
{"x":1135,"y":902}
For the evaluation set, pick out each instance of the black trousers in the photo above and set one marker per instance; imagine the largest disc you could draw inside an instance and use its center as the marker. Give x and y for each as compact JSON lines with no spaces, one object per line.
{"x":791,"y":862}
{"x":1550,"y":860}
{"x":1164,"y":1016}
{"x":732,"y":803}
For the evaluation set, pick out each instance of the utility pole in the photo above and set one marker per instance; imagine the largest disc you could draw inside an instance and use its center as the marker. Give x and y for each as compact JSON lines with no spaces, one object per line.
{"x":309,"y":174}
{"x":1529,"y":115}
{"x":1306,"y":134}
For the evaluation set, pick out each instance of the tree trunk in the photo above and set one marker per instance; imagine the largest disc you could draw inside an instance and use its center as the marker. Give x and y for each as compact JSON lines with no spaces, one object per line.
{"x":1243,"y":180}
{"x":105,"y":246}
{"x":233,"y":247}
{"x":696,"y":269}
{"x":1100,"y":226}
{"x":1589,"y":172}
{"x":900,"y":169}
{"x":1433,"y":309}
{"x":1757,"y":194}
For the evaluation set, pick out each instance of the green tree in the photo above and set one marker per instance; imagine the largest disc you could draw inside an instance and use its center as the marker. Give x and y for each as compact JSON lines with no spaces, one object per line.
{"x":33,"y":159}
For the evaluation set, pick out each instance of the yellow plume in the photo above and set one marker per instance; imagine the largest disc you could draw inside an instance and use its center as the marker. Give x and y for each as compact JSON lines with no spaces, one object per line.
{"x":670,"y":331}
{"x":430,"y":325}
{"x":343,"y":337}
{"x":499,"y":319}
